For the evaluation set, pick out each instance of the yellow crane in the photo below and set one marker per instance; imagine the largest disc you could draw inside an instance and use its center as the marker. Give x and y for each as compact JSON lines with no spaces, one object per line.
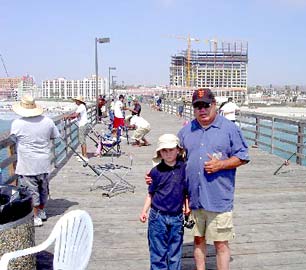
{"x":189,"y":40}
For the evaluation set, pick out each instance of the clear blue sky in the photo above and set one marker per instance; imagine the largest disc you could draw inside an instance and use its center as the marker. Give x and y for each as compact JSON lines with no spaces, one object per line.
{"x":55,"y":38}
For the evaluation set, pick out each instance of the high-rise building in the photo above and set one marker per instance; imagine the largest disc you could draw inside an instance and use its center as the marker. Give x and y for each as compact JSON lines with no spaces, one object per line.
{"x":14,"y":88}
{"x":222,"y":68}
{"x":62,"y":88}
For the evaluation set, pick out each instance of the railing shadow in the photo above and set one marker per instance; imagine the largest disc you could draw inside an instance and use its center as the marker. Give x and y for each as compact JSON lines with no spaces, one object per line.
{"x":56,"y":207}
{"x":188,"y":259}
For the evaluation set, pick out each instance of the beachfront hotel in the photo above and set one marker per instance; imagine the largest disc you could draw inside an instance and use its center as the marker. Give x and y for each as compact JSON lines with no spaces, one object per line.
{"x":62,"y":88}
{"x":223,"y":68}
{"x":13,"y":88}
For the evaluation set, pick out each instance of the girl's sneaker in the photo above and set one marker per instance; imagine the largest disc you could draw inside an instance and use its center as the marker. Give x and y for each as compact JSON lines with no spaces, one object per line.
{"x":37,"y":222}
{"x":42,"y":214}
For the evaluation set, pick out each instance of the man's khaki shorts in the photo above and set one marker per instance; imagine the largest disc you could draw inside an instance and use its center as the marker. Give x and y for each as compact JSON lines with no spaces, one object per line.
{"x":139,"y":133}
{"x":37,"y":185}
{"x":213,"y":226}
{"x":83,"y":131}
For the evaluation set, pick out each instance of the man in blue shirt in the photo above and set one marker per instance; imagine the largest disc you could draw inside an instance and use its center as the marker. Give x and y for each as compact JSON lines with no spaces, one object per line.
{"x":214,"y":147}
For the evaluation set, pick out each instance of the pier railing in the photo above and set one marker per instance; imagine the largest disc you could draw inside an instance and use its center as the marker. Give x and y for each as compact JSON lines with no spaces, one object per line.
{"x":279,"y":135}
{"x":60,"y":151}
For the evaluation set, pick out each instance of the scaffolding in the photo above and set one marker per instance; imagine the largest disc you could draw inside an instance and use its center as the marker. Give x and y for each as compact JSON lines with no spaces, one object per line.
{"x":222,"y":68}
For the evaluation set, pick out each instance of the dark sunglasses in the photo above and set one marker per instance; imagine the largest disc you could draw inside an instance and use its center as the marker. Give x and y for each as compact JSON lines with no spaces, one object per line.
{"x":201,"y":105}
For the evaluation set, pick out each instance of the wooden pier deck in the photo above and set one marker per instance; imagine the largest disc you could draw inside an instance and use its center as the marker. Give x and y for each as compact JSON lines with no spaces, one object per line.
{"x":269,"y":214}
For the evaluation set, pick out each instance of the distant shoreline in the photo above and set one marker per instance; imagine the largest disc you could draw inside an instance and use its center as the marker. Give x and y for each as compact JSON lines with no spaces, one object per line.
{"x":296,"y":112}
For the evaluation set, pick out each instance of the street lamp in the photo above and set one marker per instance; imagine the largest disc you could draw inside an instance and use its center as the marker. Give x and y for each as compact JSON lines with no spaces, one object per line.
{"x":113,"y":83}
{"x":98,"y":40}
{"x":109,"y":85}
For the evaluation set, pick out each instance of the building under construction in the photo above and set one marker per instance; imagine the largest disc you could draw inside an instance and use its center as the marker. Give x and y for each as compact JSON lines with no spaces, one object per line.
{"x":222,"y":68}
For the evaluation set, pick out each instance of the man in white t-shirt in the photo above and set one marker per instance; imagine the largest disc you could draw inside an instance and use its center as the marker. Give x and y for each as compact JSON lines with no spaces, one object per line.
{"x":118,"y":112}
{"x":142,"y":128}
{"x":82,"y":120}
{"x":229,"y":109}
{"x":32,"y":134}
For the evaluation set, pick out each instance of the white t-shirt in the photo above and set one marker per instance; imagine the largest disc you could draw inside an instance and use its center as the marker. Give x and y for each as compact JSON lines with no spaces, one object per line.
{"x":139,"y":122}
{"x":112,"y":106}
{"x":118,"y":109}
{"x":229,"y":110}
{"x":82,"y":119}
{"x":33,"y":144}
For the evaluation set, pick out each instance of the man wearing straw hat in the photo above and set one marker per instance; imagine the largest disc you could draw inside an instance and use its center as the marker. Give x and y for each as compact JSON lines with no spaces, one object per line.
{"x":33,"y":133}
{"x":81,"y":115}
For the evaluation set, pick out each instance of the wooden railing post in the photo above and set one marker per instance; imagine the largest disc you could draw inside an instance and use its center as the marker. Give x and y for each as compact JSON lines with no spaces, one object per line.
{"x":300,"y":143}
{"x":257,"y":128}
{"x":272,"y":135}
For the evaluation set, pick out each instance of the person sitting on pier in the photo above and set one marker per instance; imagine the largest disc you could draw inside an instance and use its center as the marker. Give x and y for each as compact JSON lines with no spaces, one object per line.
{"x":107,"y":140}
{"x":32,"y":134}
{"x":81,"y":115}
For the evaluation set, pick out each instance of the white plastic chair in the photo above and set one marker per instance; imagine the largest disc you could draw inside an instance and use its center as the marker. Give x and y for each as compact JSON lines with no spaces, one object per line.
{"x":73,"y":237}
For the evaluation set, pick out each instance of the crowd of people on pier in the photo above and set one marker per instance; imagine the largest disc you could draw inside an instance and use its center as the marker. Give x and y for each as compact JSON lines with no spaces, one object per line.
{"x":193,"y":172}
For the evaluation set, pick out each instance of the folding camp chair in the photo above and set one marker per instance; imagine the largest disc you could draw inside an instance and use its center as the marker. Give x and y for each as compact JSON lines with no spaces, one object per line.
{"x":110,"y":145}
{"x":115,"y":177}
{"x":105,"y":143}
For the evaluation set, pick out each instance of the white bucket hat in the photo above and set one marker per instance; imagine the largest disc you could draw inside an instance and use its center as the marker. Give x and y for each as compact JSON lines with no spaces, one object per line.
{"x":27,"y":107}
{"x":79,"y":98}
{"x":166,"y":141}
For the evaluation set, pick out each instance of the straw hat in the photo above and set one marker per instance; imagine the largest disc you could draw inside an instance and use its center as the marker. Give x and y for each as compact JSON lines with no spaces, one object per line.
{"x":166,"y":141}
{"x":79,"y":98}
{"x":27,"y":107}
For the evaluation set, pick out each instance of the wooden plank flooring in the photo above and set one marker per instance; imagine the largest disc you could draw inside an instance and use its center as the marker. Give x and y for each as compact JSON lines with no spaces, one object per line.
{"x":270,"y":220}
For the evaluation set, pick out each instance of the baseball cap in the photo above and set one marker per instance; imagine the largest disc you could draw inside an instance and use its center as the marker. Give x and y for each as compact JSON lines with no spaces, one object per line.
{"x":204,"y":95}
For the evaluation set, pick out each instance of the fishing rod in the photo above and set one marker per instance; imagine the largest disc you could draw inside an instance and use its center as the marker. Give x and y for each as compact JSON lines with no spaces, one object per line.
{"x":62,"y":129}
{"x":286,"y":162}
{"x":85,"y":163}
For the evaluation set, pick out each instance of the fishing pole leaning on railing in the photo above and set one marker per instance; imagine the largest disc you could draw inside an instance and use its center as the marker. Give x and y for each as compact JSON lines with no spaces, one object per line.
{"x":286,"y":162}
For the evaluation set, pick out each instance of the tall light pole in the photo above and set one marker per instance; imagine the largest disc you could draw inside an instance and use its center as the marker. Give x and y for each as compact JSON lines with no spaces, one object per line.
{"x":109,"y":84}
{"x":113,"y":83}
{"x":98,"y":40}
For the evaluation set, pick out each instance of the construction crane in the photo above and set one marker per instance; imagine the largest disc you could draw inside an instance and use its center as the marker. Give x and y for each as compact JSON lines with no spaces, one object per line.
{"x":189,"y":40}
{"x":7,"y":75}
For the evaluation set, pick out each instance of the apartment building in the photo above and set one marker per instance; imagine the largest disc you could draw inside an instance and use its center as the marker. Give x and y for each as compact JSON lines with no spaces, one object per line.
{"x":14,"y":88}
{"x":223,"y":68}
{"x":66,"y":89}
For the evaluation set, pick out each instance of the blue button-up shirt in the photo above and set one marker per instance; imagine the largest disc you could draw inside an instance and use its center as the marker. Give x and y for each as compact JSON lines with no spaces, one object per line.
{"x":222,"y":139}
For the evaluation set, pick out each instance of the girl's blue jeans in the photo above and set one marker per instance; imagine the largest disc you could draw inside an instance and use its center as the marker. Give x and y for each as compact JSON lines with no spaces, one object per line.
{"x":165,"y":237}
